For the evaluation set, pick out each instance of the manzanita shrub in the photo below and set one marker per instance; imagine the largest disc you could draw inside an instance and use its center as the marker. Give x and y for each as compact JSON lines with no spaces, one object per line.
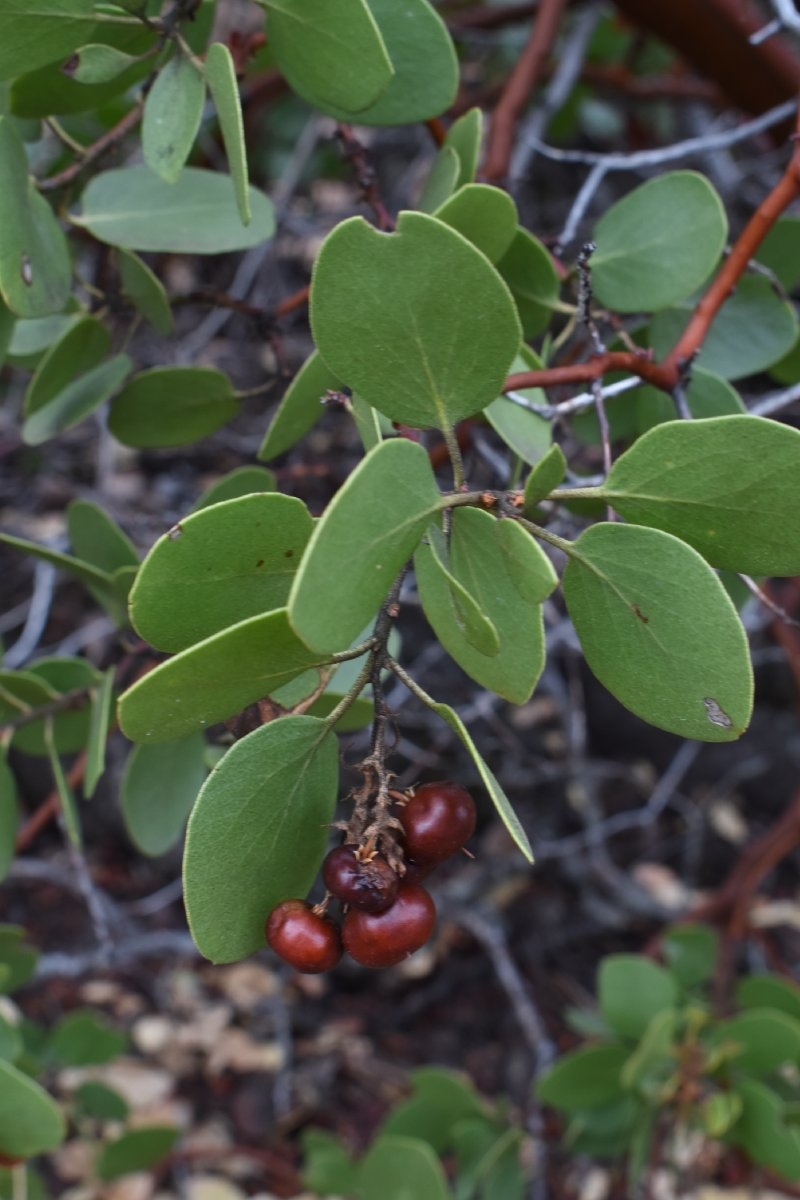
{"x":282,"y":625}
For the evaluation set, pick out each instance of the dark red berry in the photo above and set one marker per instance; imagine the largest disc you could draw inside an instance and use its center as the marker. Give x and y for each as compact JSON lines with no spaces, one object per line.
{"x":306,"y":940}
{"x":370,"y":885}
{"x":437,"y":821}
{"x":384,"y":939}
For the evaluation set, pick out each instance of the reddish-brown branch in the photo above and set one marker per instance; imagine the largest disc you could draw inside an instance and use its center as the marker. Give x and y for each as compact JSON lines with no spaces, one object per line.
{"x":292,"y":303}
{"x":667,"y":374}
{"x":366,"y":179}
{"x":98,"y":148}
{"x":48,"y":809}
{"x":437,"y":129}
{"x":519,"y":87}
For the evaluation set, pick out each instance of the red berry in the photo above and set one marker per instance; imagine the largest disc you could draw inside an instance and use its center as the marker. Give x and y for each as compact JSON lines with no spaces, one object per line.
{"x":369,"y":885}
{"x":437,"y":821}
{"x":384,"y":939}
{"x":306,"y":940}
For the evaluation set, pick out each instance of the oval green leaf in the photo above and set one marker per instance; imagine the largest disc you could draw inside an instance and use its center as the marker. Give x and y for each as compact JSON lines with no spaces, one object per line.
{"x":439,"y":362}
{"x":77,"y":401}
{"x":34,"y":34}
{"x":397,"y":1168}
{"x":486,"y":216}
{"x":300,"y":407}
{"x":725,"y":485}
{"x":219,"y":566}
{"x":525,"y":433}
{"x":258,"y":833}
{"x":631,"y":991}
{"x":145,"y":290}
{"x":658,"y":243}
{"x":137,"y":1150}
{"x":97,"y":539}
{"x":769,"y":991}
{"x":765,"y":1039}
{"x":659,"y":631}
{"x":159,"y":787}
{"x":527,"y":267}
{"x":172,"y":114}
{"x":83,"y":346}
{"x":585,"y":1079}
{"x":30,"y":1121}
{"x":242,"y":481}
{"x":221,"y":79}
{"x":367,"y":534}
{"x":172,"y":406}
{"x":134,"y":208}
{"x":215,"y":679}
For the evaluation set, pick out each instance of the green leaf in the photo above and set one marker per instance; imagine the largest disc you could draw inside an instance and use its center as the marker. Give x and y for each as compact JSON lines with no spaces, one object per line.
{"x":221,"y":80}
{"x":66,"y":796}
{"x":100,"y":720}
{"x":371,"y":528}
{"x":133,"y":207}
{"x":85,"y":344}
{"x":707,"y":396}
{"x":780,"y":251}
{"x":605,"y":1132}
{"x":145,"y":290}
{"x":300,"y":407}
{"x":9,"y":816}
{"x":97,"y":63}
{"x":765,"y":1038}
{"x":631,"y":991}
{"x":242,"y":481}
{"x":486,"y":216}
{"x":258,"y":833}
{"x":464,"y":136}
{"x":11,"y":1046}
{"x":720,"y":1111}
{"x":496,"y":793}
{"x":30,"y":338}
{"x":484,"y":1158}
{"x":97,"y":1100}
{"x":525,"y":433}
{"x":172,"y":114}
{"x":18,"y":959}
{"x":35,"y":267}
{"x":330,"y":57}
{"x":172,"y":406}
{"x":30,"y":1121}
{"x":487,"y":566}
{"x":725,"y":485}
{"x":368,"y":422}
{"x":97,"y":539}
{"x":159,"y":787}
{"x":84,"y":1039}
{"x":585,"y":1079}
{"x":653,"y":1060}
{"x":401,"y":1168}
{"x":219,"y":566}
{"x":442,"y":180}
{"x":761,"y":1130}
{"x":438,"y":363}
{"x":658,"y":243}
{"x":7,"y":323}
{"x":753,"y":329}
{"x":33,"y":34}
{"x":691,"y":953}
{"x":440,"y":1099}
{"x":77,"y":401}
{"x":659,"y":630}
{"x":215,"y":679}
{"x":545,"y":477}
{"x":527,"y":268}
{"x":136,"y":1151}
{"x":769,"y":991}
{"x":45,"y":680}
{"x":424,"y":62}
{"x":328,"y":1167}
{"x":432,"y":563}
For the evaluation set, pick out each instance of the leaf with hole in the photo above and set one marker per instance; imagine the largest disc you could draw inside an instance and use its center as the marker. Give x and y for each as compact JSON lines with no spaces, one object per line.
{"x":438,"y":363}
{"x":172,"y":406}
{"x":34,"y":34}
{"x":134,"y":208}
{"x":659,"y":630}
{"x":373,"y":530}
{"x":215,"y":679}
{"x":725,"y":485}
{"x":159,"y":787}
{"x":219,"y":566}
{"x":97,"y":63}
{"x":258,"y":833}
{"x":221,"y":79}
{"x":659,"y":243}
{"x":35,"y":266}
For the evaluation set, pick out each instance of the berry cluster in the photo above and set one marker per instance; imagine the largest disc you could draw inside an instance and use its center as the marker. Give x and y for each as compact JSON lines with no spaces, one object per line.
{"x":387,"y":913}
